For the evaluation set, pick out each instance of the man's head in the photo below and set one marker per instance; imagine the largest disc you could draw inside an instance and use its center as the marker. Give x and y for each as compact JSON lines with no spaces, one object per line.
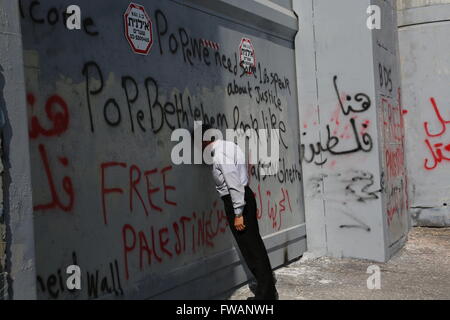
{"x":206,"y":140}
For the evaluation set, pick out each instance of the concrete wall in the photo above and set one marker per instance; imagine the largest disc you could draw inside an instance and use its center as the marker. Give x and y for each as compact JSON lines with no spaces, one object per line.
{"x":17,"y":277}
{"x":104,"y":191}
{"x":388,"y":93}
{"x":106,"y":194}
{"x":411,"y":4}
{"x":355,"y":191}
{"x":423,"y":30}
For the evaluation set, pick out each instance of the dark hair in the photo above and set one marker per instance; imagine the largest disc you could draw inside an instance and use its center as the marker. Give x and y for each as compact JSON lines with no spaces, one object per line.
{"x":203,"y":129}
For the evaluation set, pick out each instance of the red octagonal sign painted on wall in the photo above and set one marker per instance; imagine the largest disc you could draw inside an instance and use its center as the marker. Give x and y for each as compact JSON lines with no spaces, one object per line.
{"x":138,"y":29}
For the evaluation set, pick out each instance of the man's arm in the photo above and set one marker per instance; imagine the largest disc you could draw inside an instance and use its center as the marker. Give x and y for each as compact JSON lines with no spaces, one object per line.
{"x":237,"y":192}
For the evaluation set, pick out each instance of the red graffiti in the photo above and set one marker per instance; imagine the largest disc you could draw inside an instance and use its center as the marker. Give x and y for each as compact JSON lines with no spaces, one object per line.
{"x":66,"y":183}
{"x":58,"y":117}
{"x":135,"y":182}
{"x":397,"y":202}
{"x":393,"y":121}
{"x":395,"y":186}
{"x":275,"y":209}
{"x":259,"y":213}
{"x":395,"y":161}
{"x":437,"y":150}
{"x":157,"y":245}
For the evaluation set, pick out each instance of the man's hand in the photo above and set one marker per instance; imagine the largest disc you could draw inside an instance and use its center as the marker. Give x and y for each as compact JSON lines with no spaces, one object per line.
{"x":239,"y":223}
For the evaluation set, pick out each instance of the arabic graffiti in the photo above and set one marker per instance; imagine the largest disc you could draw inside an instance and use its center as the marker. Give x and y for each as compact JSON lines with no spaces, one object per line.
{"x":361,"y":98}
{"x":351,"y":186}
{"x":66,"y":183}
{"x":358,"y":186}
{"x":436,"y":149}
{"x":57,"y":112}
{"x":363,"y":140}
{"x":59,"y":118}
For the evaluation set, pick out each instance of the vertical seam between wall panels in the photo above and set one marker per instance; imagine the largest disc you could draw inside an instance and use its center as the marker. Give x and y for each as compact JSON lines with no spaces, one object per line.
{"x":318,"y":115}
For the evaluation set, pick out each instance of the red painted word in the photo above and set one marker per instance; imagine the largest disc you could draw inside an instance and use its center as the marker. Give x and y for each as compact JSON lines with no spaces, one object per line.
{"x":394,"y":122}
{"x":436,"y":149}
{"x":59,"y":118}
{"x":66,"y":183}
{"x":395,"y":162}
{"x":186,"y":235}
{"x":397,"y":203}
{"x":136,"y":175}
{"x":275,"y":209}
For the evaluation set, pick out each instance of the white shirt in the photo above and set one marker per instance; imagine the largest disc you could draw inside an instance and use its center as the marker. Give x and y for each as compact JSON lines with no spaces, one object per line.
{"x":230,"y":172}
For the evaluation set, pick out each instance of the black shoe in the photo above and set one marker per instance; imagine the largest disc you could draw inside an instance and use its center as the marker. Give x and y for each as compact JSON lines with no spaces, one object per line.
{"x":273,"y":296}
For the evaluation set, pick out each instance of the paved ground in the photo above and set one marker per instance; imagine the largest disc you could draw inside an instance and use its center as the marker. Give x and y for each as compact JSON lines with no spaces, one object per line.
{"x":421,"y":270}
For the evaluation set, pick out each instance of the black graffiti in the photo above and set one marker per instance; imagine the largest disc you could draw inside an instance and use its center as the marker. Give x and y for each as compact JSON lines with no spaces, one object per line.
{"x":362,"y":193}
{"x":89,"y":91}
{"x":226,"y":62}
{"x":270,"y":122}
{"x":362,"y":226}
{"x":384,"y":47}
{"x":115,"y":122}
{"x":52,"y":16}
{"x":361,"y":98}
{"x":385,"y":75}
{"x":262,"y":96}
{"x":190,"y":47}
{"x":285,"y":174}
{"x":279,"y":83}
{"x":179,"y":40}
{"x":273,"y":79}
{"x":357,"y":184}
{"x":268,"y":97}
{"x":359,"y":223}
{"x":107,"y":283}
{"x":180,"y":102}
{"x":247,"y":70}
{"x":128,"y":81}
{"x":359,"y":187}
{"x":55,"y":283}
{"x":363,"y":143}
{"x":236,"y":89}
{"x":177,"y":113}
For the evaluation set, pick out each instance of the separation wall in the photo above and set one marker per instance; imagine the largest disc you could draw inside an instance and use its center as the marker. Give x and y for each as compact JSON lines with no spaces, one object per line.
{"x":423,"y":30}
{"x":351,"y":130}
{"x":17,"y":268}
{"x":106,"y":194}
{"x":388,"y":97}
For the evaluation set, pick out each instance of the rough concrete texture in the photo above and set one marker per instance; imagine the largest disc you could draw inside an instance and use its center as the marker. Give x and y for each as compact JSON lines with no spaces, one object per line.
{"x":105,"y":140}
{"x":16,"y":181}
{"x":407,"y":4}
{"x":423,"y":32}
{"x":421,"y":270}
{"x":351,"y":193}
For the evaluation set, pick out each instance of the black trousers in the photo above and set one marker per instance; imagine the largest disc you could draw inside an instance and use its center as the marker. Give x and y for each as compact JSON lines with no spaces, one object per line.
{"x":252,"y":246}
